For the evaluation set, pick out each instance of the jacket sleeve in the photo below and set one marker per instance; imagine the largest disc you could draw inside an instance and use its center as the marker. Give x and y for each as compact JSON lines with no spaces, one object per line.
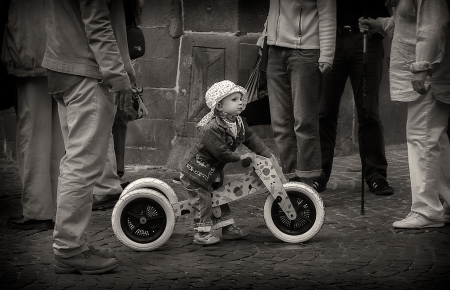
{"x":432,"y":25}
{"x":260,"y":41}
{"x":326,"y":10}
{"x":213,"y":141}
{"x":254,"y":143}
{"x":388,"y":25}
{"x":100,"y":35}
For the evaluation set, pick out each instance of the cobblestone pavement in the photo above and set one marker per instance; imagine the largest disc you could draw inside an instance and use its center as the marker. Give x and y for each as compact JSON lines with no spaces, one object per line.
{"x":350,"y":252}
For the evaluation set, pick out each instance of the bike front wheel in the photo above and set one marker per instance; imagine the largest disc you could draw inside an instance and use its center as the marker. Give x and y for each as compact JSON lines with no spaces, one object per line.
{"x":310,"y":214}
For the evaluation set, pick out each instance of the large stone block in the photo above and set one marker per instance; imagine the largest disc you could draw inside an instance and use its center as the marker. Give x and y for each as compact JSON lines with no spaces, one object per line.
{"x":146,"y":156}
{"x":159,"y":43}
{"x":157,"y":73}
{"x":204,"y":60}
{"x":150,"y":134}
{"x":160,"y":103}
{"x":157,"y":12}
{"x":210,"y":15}
{"x":252,"y":15}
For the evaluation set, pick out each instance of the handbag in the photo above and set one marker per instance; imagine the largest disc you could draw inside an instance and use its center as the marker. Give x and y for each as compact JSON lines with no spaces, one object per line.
{"x":135,"y":36}
{"x":257,"y":111}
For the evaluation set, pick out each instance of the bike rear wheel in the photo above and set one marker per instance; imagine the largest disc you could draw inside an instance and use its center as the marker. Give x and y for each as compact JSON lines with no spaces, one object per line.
{"x":310,"y":214}
{"x":143,"y":219}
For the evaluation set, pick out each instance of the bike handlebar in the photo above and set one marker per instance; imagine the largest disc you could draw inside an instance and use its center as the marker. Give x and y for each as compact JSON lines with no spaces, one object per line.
{"x":246,"y":162}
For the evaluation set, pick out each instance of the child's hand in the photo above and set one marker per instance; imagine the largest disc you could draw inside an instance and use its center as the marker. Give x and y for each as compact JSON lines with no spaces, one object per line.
{"x":246,"y":155}
{"x":246,"y":159}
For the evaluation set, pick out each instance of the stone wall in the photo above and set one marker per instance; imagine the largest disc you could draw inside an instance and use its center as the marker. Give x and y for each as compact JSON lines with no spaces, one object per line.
{"x":190,"y":44}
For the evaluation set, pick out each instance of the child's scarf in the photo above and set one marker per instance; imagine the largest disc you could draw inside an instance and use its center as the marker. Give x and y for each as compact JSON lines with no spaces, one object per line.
{"x":234,"y":123}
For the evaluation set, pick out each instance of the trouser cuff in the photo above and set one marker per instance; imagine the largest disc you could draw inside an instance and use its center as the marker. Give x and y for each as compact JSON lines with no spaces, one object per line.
{"x":223,"y":223}
{"x":308,"y":174}
{"x":202,"y":227}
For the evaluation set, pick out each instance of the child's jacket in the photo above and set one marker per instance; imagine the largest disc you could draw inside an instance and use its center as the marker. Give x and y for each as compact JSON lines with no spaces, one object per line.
{"x":206,"y":160}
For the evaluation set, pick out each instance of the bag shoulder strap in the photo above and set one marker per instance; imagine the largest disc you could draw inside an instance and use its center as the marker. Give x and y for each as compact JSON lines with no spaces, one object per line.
{"x":129,"y":14}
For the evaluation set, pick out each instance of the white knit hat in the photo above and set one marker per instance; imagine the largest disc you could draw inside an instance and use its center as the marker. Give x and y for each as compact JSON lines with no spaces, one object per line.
{"x":218,"y":92}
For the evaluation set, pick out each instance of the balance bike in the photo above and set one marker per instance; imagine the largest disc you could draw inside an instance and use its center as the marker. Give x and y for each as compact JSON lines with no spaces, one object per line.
{"x":144,"y":217}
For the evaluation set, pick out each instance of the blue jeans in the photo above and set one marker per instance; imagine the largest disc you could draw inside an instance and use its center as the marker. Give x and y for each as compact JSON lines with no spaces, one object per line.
{"x":204,"y":218}
{"x":348,"y":62}
{"x":293,"y":80}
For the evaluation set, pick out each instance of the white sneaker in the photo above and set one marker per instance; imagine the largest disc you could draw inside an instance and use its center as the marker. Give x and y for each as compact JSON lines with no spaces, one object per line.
{"x":416,"y":221}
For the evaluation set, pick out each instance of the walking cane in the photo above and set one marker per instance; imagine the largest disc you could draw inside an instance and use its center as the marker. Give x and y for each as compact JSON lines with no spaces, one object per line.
{"x":361,"y":150}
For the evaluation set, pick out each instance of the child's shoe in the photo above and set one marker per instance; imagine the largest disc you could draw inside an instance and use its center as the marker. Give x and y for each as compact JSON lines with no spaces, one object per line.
{"x":205,"y":239}
{"x":232,"y":232}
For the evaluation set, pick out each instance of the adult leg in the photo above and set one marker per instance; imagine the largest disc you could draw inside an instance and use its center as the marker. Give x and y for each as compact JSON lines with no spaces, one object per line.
{"x":427,"y":153}
{"x":107,"y":188}
{"x":39,"y":146}
{"x":329,"y":102}
{"x":370,"y":129}
{"x":89,"y":109}
{"x":305,"y":80}
{"x":281,"y":110}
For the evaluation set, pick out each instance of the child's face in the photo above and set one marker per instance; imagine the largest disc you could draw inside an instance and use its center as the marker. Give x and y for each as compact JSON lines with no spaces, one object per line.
{"x":231,"y":104}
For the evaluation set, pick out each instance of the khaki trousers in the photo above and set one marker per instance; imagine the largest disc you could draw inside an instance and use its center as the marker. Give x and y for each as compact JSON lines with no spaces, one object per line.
{"x":39,"y":147}
{"x":87,"y":113}
{"x":428,"y":155}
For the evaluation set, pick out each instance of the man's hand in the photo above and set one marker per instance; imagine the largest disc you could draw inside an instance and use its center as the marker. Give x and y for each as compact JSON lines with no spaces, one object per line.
{"x":370,"y":25}
{"x":324,"y":67}
{"x":123,"y":99}
{"x":418,"y":82}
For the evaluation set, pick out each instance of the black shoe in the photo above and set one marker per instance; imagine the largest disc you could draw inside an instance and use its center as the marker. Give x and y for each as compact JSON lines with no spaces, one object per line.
{"x":381,"y":186}
{"x":176,"y":179}
{"x":295,"y":179}
{"x":107,"y":202}
{"x":319,"y":186}
{"x":24,"y":223}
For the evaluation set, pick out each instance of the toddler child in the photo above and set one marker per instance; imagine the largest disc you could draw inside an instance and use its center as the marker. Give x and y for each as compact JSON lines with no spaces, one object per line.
{"x":223,"y":130}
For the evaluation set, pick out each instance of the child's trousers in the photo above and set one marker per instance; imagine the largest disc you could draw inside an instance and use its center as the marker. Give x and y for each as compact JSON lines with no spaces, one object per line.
{"x":204,"y":218}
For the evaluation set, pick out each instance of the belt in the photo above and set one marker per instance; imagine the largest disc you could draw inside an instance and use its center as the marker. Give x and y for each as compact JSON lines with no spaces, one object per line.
{"x":347,"y":29}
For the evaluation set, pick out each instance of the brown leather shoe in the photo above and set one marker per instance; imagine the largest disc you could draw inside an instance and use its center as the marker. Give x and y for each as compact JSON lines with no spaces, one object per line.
{"x":86,"y":262}
{"x":104,"y":253}
{"x":24,"y":223}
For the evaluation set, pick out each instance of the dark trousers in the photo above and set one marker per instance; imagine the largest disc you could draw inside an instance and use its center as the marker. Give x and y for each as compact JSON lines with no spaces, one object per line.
{"x":119,"y":131}
{"x":348,"y":62}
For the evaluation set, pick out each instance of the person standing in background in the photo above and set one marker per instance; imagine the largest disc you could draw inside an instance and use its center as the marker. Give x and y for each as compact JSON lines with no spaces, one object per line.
{"x":420,"y":76}
{"x":39,"y":143}
{"x":301,"y":36}
{"x":348,"y":62}
{"x":90,"y":74}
